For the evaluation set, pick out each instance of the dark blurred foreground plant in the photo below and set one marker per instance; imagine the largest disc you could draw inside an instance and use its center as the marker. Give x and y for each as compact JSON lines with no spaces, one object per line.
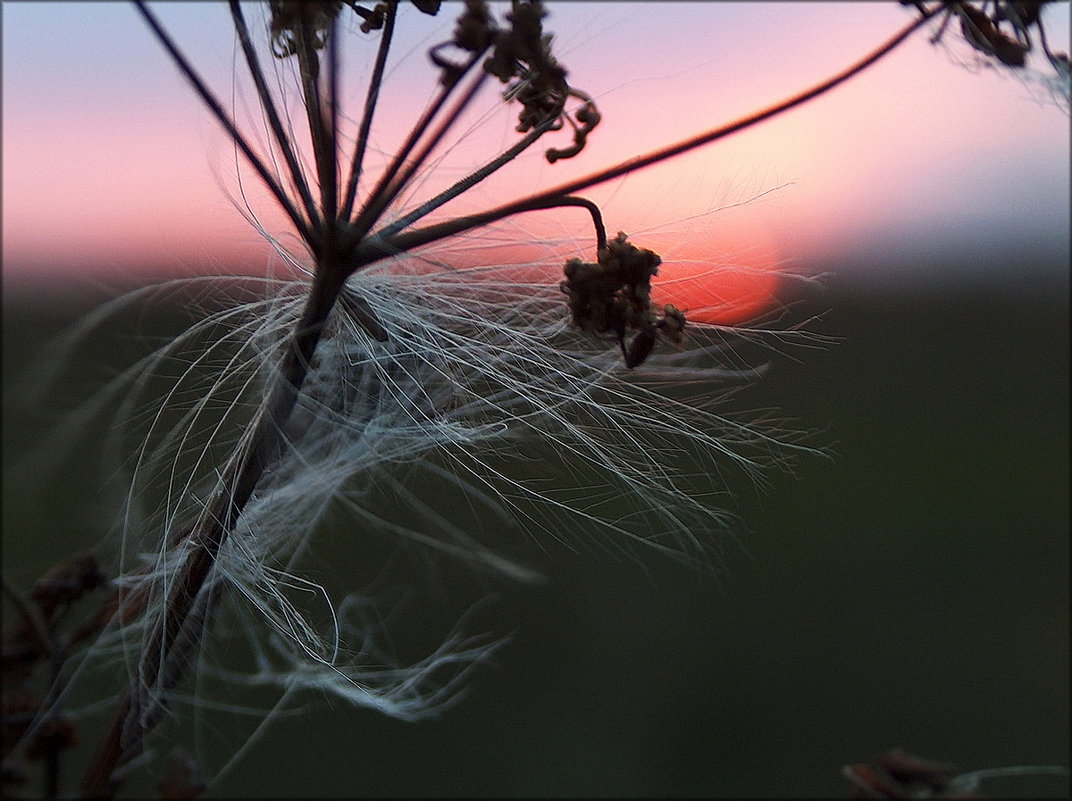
{"x":899,"y":774}
{"x":378,"y":363}
{"x":1002,"y":33}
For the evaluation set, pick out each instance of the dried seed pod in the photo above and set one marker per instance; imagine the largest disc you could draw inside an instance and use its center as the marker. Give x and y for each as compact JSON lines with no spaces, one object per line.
{"x":613,"y":296}
{"x":640,"y":348}
{"x":672,"y":325}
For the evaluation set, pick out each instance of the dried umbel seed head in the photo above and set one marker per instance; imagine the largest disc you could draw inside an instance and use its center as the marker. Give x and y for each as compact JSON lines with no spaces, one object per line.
{"x":374,"y":19}
{"x":1004,"y":30}
{"x":475,"y":28}
{"x":524,"y":53}
{"x":475,"y":31}
{"x":983,"y":34}
{"x":613,"y":296}
{"x":295,"y":23}
{"x":521,"y":58}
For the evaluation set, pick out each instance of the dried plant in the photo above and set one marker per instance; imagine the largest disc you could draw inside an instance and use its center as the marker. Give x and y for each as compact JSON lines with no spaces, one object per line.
{"x":1004,"y":32}
{"x":376,"y":366}
{"x":898,"y":774}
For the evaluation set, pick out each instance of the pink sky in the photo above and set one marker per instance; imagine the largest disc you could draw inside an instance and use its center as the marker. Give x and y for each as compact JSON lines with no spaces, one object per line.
{"x":111,"y":166}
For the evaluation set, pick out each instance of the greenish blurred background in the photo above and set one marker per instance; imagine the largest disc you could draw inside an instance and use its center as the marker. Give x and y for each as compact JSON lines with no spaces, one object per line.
{"x":912,"y":590}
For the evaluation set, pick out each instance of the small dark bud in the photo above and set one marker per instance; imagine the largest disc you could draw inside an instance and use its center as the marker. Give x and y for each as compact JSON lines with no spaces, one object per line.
{"x":640,"y":348}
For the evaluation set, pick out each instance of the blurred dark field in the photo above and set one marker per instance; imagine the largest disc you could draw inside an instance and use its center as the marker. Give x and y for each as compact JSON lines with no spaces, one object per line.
{"x":912,"y":590}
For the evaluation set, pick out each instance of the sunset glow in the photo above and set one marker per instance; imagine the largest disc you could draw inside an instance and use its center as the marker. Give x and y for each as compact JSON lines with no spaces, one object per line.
{"x":113,"y":167}
{"x":717,"y":294}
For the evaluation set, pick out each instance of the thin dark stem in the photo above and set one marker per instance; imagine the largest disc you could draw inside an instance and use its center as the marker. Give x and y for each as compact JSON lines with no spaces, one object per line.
{"x":313,"y":101}
{"x":372,"y":251}
{"x":333,"y":116}
{"x":371,"y":99}
{"x":388,"y":194}
{"x":274,"y":121}
{"x":469,"y":181}
{"x":57,"y":657}
{"x":236,"y":486}
{"x":376,"y":248}
{"x":97,"y":782}
{"x":373,"y":207}
{"x":302,"y":225}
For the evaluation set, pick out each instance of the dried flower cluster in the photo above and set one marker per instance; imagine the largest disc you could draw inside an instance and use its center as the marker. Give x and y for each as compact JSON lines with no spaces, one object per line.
{"x":521,"y":58}
{"x":614,"y":296}
{"x":1002,"y":30}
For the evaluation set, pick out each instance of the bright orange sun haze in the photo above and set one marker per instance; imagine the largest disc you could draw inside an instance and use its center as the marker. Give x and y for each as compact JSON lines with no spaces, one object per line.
{"x":726,"y":275}
{"x":716,"y":294}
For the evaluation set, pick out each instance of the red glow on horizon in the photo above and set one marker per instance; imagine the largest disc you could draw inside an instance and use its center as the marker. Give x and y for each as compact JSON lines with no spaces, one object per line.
{"x":717,"y":295}
{"x":725,"y":277}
